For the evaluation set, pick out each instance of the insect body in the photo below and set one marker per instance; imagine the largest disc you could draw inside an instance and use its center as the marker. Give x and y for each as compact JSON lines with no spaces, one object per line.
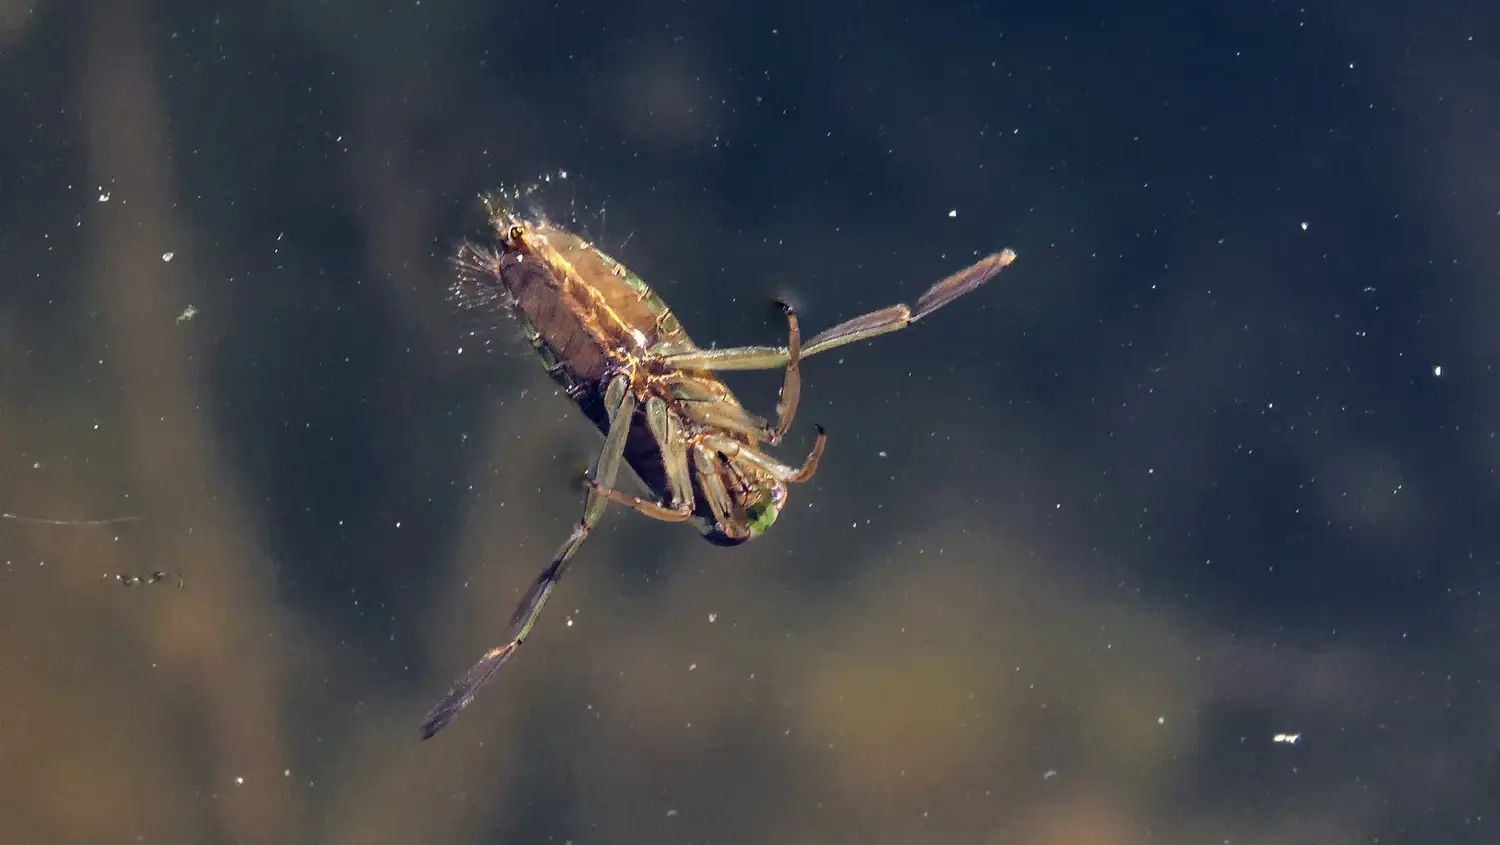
{"x":620,"y":354}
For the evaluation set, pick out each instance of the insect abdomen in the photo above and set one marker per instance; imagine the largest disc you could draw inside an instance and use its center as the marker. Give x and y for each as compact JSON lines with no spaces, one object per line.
{"x":554,"y":324}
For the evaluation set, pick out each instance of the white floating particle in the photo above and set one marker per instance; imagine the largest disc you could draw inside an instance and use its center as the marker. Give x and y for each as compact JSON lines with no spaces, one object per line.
{"x":168,"y":256}
{"x":953,"y":213}
{"x":692,"y":667}
{"x":239,"y":781}
{"x":1161,"y":720}
{"x":104,"y":196}
{"x":1289,"y":739}
{"x":713,"y":617}
{"x":883,"y":454}
{"x":1438,"y":370}
{"x":1304,"y":225}
{"x":187,"y":314}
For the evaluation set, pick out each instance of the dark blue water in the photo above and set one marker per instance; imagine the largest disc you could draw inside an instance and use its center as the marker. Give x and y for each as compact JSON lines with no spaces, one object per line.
{"x":1213,"y":462}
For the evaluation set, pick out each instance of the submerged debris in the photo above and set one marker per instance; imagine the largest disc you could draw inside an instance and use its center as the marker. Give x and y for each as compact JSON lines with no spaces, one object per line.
{"x":128,"y":580}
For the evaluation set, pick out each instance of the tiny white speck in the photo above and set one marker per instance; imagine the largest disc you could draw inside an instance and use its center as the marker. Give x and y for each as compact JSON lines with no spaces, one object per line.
{"x":240,"y":781}
{"x":953,"y":213}
{"x":1161,"y":720}
{"x":286,"y":773}
{"x":692,"y":667}
{"x":167,"y":256}
{"x":1438,"y":370}
{"x":1304,"y":225}
{"x":883,"y":454}
{"x":104,"y":196}
{"x":1289,"y":739}
{"x":713,"y":617}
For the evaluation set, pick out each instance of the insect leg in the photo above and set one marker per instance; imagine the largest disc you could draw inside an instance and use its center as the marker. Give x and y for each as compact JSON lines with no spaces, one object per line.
{"x":864,"y":327}
{"x":730,"y":415}
{"x":709,"y":479}
{"x":620,"y":403}
{"x":734,"y":450}
{"x":666,"y":428}
{"x":898,"y":317}
{"x":679,"y":507}
{"x":645,"y":507}
{"x":791,"y":383}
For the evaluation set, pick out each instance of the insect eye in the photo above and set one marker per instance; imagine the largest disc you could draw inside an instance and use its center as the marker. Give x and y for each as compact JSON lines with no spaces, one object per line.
{"x":762,"y":514}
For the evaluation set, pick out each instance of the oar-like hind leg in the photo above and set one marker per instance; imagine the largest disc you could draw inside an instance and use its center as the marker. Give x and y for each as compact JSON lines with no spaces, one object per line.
{"x":620,"y":403}
{"x":863,"y":327}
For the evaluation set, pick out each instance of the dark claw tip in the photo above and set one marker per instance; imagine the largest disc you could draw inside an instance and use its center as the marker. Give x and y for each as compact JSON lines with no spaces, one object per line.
{"x":820,"y":429}
{"x":786,"y":307}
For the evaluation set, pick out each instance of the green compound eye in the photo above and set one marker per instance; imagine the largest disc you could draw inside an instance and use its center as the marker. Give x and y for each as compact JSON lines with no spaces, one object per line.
{"x":762,"y":515}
